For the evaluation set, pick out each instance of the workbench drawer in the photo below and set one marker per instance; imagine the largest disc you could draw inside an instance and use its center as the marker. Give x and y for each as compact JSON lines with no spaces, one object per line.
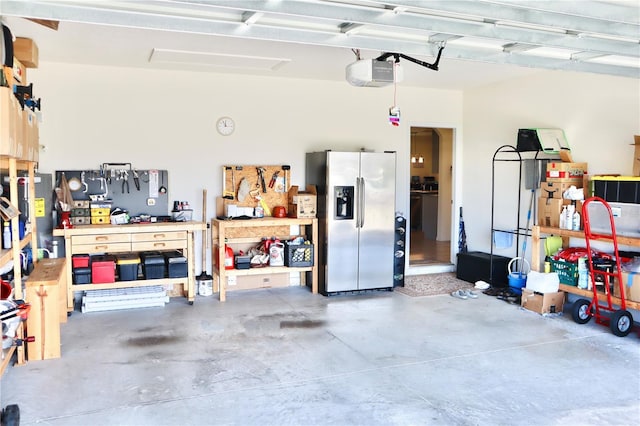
{"x":100,"y":239}
{"x":159,"y":245}
{"x":159,"y":236}
{"x":102,"y":248}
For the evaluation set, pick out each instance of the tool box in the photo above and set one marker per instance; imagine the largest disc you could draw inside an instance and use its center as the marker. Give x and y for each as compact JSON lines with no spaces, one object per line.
{"x":103,"y":269}
{"x":243,"y":262}
{"x":82,"y":275}
{"x":80,"y":260}
{"x":153,"y":265}
{"x":127,"y":266}
{"x":176,"y":264}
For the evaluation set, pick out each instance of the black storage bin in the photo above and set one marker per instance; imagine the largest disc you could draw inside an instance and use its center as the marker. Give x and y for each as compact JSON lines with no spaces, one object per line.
{"x":82,"y":275}
{"x":176,"y":264}
{"x":476,"y":266}
{"x":127,"y":266}
{"x":622,"y":190}
{"x":298,"y":255}
{"x":153,"y":265}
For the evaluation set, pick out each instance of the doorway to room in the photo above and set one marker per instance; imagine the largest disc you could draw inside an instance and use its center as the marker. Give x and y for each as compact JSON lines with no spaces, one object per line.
{"x":431,"y":195}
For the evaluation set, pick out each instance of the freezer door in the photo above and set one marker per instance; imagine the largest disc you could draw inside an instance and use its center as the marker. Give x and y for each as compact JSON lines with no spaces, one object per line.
{"x":376,"y":250}
{"x":342,"y":234}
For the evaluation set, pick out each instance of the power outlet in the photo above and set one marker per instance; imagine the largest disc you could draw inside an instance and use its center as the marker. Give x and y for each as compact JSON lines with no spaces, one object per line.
{"x":151,"y":201}
{"x":232,"y":280}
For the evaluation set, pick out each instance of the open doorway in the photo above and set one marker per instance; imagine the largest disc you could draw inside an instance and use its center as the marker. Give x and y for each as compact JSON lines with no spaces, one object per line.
{"x":431,"y":195}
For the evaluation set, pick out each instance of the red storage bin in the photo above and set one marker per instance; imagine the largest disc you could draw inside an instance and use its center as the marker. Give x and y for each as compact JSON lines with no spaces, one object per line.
{"x":103,"y":269}
{"x":80,"y":260}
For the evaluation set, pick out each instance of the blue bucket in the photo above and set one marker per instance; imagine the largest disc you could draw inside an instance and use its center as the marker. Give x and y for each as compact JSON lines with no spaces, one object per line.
{"x":517,"y":282}
{"x":518,"y":279}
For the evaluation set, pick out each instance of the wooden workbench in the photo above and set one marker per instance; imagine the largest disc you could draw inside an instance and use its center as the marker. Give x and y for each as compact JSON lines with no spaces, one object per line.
{"x":93,"y":239}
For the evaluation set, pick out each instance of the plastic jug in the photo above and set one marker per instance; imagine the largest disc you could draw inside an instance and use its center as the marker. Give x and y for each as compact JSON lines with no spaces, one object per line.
{"x":228,"y":257}
{"x":276,"y":254}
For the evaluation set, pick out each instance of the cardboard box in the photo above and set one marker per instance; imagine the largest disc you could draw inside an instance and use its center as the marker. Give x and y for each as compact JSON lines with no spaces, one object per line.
{"x":19,"y":73}
{"x":30,"y":135}
{"x":631,"y":286}
{"x":549,"y":211}
{"x":636,"y":156}
{"x":542,"y":303}
{"x":555,"y":189}
{"x":26,"y":50}
{"x":558,"y":170}
{"x":303,"y":204}
{"x":249,"y":282}
{"x":8,"y":122}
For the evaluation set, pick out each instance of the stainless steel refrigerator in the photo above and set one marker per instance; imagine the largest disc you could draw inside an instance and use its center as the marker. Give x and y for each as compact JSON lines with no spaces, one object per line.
{"x":356,"y":218}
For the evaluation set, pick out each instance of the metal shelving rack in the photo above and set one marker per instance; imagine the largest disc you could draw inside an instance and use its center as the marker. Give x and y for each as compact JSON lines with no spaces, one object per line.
{"x":509,"y":153}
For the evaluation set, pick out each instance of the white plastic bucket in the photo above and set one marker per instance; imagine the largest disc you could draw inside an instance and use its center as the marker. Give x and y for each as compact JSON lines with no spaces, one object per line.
{"x":205,"y":287}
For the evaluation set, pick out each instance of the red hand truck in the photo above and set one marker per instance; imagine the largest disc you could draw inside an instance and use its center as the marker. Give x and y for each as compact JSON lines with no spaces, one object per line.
{"x":620,"y":320}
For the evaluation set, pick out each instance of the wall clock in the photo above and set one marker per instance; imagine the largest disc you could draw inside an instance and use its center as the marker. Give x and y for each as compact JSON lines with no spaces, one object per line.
{"x":225,"y":126}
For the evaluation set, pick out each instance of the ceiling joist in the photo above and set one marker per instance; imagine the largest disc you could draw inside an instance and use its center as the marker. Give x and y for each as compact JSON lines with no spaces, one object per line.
{"x":509,"y":29}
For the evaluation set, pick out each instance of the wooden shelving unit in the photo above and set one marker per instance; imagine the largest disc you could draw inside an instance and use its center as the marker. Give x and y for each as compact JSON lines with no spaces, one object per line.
{"x":238,"y":232}
{"x":537,"y":237}
{"x":13,"y":166}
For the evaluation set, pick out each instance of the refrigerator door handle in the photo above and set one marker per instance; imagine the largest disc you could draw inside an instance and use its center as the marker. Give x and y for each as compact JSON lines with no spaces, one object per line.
{"x":357,"y":206}
{"x":362,"y":198}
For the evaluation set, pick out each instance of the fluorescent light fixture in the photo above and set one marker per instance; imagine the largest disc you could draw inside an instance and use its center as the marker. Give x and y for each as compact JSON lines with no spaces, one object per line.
{"x":517,"y":47}
{"x":250,"y":18}
{"x":216,"y":60}
{"x":351,"y":29}
{"x":622,"y":61}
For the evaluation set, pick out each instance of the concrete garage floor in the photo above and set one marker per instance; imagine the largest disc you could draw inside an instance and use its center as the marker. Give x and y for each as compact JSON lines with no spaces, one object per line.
{"x":287,"y":357}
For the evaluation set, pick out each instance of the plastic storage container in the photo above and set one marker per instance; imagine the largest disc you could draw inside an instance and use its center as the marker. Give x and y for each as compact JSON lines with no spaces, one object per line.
{"x":80,"y":260}
{"x":299,"y":255}
{"x":176,"y":264}
{"x":82,"y":275}
{"x":103,"y":269}
{"x":127,"y":266}
{"x":475,"y":266}
{"x":153,"y":265}
{"x":567,"y":271}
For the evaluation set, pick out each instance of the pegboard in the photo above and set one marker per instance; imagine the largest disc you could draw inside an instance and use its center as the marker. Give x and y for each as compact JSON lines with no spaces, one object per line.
{"x":273,"y":195}
{"x":92,"y":182}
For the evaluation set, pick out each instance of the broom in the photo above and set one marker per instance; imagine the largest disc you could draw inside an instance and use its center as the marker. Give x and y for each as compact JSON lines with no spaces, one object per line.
{"x":203,"y":275}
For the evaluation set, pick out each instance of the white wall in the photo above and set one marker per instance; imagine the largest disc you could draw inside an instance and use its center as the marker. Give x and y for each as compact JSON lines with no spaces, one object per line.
{"x":166,"y":120}
{"x":599,"y":114}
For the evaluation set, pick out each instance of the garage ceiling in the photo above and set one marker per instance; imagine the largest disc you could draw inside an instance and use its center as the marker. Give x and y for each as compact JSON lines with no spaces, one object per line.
{"x":483,"y":40}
